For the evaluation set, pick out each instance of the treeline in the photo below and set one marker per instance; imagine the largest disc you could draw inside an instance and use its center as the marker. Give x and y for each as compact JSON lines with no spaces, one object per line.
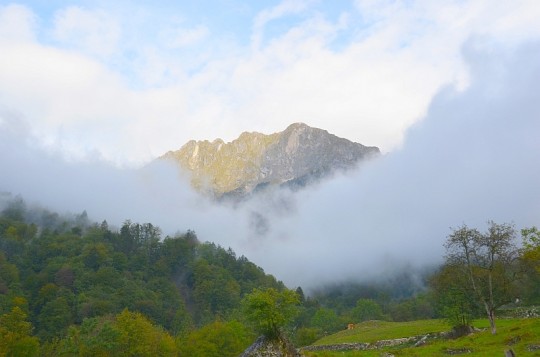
{"x":484,"y":274}
{"x":328,"y":309}
{"x":69,"y":286}
{"x":66,"y":279}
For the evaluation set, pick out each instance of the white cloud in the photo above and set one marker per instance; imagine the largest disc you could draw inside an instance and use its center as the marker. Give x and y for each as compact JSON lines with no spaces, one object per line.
{"x":77,"y":103}
{"x":179,"y":37}
{"x":113,"y":84}
{"x":284,"y":8}
{"x":471,"y":159}
{"x":92,"y":31}
{"x":17,"y":24}
{"x":363,"y":89}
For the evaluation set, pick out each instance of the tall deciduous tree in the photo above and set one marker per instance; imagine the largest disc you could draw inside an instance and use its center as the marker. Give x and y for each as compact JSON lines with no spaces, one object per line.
{"x":15,"y":335}
{"x":454,"y":297}
{"x":217,"y":339}
{"x":367,"y":309}
{"x":531,"y":246}
{"x":487,"y":261}
{"x":530,"y":259}
{"x":326,"y":320}
{"x":270,"y":310}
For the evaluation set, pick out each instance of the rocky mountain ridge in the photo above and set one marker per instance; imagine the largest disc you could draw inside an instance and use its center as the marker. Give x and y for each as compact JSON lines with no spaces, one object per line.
{"x":296,"y":156}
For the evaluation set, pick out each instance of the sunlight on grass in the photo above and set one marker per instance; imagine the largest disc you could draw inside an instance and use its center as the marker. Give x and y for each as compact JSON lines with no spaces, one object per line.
{"x":520,"y":335}
{"x":372,"y":331}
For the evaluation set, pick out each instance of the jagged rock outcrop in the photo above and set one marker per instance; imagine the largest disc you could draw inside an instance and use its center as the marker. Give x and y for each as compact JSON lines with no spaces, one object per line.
{"x":296,"y":156}
{"x":264,"y":347}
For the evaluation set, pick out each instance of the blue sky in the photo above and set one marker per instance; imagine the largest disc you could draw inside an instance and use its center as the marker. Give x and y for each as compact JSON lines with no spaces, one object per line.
{"x":130,"y":80}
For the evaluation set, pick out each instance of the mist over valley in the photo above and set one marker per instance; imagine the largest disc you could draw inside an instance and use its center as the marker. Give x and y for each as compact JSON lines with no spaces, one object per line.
{"x":471,"y":159}
{"x":287,"y":178}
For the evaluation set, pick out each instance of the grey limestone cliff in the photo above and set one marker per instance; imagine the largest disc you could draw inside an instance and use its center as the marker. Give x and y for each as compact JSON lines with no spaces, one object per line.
{"x":296,"y":156}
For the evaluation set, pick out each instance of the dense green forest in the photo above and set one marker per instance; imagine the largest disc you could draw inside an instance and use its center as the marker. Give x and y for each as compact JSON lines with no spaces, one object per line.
{"x":69,"y":286}
{"x":65,"y":278}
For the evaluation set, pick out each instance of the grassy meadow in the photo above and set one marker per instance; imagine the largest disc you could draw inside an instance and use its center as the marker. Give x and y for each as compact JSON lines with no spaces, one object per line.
{"x":520,"y":335}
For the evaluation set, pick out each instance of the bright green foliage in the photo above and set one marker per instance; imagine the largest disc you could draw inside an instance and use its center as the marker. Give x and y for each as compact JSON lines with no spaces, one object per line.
{"x":71,"y":269}
{"x":455,"y":300}
{"x":305,"y":336}
{"x":215,"y":290}
{"x":9,"y":275}
{"x":530,"y":263}
{"x":326,"y":320}
{"x":520,"y":335}
{"x":269,"y":310}
{"x":218,"y":339}
{"x":79,"y":277}
{"x":367,"y":309}
{"x":126,"y":334}
{"x":54,"y":318}
{"x":139,"y":337}
{"x":376,"y":330}
{"x":531,"y":237}
{"x":95,"y":255}
{"x":401,"y":297}
{"x":485,"y":264}
{"x":531,"y":244}
{"x":95,"y":337}
{"x":15,"y":335}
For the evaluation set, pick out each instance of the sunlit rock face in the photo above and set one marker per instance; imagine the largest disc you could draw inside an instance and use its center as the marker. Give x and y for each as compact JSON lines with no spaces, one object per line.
{"x":296,"y":156}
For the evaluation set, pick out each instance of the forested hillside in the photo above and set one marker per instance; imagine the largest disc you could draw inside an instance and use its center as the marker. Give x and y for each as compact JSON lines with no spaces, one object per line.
{"x":69,"y":286}
{"x":57,"y":272}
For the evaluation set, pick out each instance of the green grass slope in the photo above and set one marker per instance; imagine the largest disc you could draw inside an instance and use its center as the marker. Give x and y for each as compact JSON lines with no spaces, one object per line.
{"x":520,"y":335}
{"x":373,"y":331}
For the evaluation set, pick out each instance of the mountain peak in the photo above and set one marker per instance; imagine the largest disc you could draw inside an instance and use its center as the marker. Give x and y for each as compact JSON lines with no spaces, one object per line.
{"x":297,"y":126}
{"x":297,"y":156}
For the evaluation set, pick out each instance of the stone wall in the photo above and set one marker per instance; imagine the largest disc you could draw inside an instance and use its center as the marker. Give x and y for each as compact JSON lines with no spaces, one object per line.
{"x":363,"y":346}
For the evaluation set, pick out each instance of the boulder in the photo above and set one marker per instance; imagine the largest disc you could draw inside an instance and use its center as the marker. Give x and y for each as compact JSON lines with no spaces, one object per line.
{"x":265,"y":347}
